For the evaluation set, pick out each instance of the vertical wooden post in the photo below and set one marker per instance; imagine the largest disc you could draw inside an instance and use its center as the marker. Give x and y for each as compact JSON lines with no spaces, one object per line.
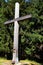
{"x":16,"y":33}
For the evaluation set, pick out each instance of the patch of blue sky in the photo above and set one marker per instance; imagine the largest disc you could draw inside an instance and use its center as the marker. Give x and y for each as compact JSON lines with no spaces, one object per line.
{"x":28,"y":0}
{"x":6,"y":0}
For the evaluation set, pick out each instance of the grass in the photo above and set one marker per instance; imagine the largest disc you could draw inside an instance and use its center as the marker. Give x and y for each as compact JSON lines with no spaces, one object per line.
{"x":3,"y":60}
{"x":30,"y":62}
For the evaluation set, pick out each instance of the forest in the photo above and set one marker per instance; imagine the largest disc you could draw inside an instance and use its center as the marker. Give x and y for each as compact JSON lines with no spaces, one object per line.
{"x":30,"y":30}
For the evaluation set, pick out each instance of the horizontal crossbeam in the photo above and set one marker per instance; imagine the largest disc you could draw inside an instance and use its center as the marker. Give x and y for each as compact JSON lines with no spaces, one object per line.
{"x":18,"y":19}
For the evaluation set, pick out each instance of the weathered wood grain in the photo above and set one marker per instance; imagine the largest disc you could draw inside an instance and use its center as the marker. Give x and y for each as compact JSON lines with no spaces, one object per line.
{"x":18,"y":19}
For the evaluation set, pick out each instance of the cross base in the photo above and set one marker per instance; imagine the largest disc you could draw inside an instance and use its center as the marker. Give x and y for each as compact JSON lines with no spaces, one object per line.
{"x":13,"y":62}
{"x":17,"y":63}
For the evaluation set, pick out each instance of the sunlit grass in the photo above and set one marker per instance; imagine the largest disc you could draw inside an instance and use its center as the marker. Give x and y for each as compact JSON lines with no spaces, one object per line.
{"x":30,"y":62}
{"x":4,"y":60}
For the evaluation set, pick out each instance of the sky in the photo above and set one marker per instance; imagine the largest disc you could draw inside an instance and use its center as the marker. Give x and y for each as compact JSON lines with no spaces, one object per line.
{"x":6,"y":0}
{"x":27,"y":0}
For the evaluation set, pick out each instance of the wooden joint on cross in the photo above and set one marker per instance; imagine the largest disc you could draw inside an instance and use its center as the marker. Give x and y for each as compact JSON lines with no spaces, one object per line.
{"x":14,"y":50}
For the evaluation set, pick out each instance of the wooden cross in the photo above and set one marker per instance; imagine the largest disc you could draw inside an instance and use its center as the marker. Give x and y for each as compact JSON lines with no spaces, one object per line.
{"x":16,"y":31}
